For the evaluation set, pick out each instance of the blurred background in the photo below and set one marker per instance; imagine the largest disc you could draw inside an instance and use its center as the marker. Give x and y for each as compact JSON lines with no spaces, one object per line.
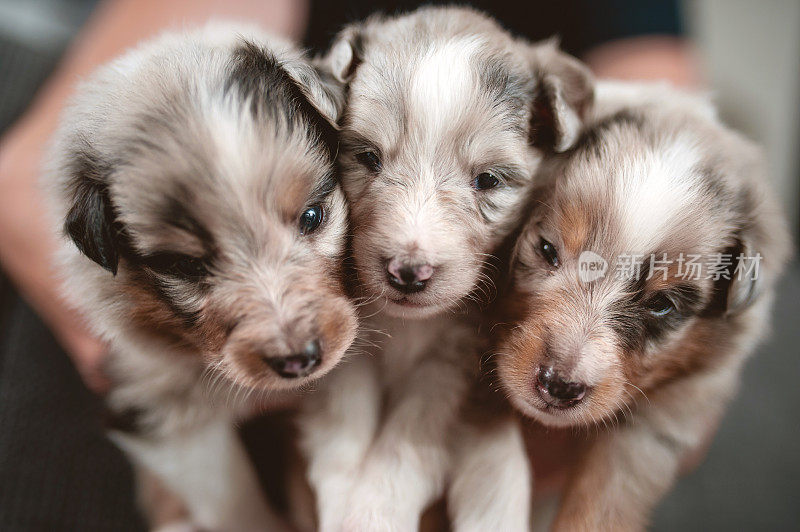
{"x":57,"y":472}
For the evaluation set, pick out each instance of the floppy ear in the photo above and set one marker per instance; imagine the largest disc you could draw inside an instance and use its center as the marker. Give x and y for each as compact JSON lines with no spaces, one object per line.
{"x":761,"y":247}
{"x":564,"y":95}
{"x":759,"y":256}
{"x":90,"y":222}
{"x":737,"y":287}
{"x":747,"y":282}
{"x":328,"y":95}
{"x":345,"y":54}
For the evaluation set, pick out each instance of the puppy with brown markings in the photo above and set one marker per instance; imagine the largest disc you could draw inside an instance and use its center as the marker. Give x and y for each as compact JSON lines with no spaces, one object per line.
{"x":652,"y":352}
{"x":444,"y":109}
{"x":195,"y":180}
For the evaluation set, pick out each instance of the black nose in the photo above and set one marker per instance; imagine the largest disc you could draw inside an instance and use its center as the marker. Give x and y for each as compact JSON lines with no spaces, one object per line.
{"x":408,"y":278}
{"x":557,"y":391}
{"x":299,"y":364}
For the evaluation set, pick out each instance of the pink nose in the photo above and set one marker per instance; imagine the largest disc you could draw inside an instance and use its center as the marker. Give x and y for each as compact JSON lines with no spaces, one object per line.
{"x":408,"y":278}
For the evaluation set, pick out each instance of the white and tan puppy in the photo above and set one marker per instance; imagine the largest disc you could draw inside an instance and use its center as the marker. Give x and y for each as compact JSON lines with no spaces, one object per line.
{"x":443,"y":110}
{"x":641,"y":281}
{"x":194,"y":178}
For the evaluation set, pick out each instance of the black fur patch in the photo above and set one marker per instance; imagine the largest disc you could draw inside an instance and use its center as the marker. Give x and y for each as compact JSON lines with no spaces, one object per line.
{"x":91,"y":221}
{"x":542,"y":133}
{"x":627,"y":322}
{"x":635,"y":326}
{"x":718,"y":304}
{"x":257,"y":74}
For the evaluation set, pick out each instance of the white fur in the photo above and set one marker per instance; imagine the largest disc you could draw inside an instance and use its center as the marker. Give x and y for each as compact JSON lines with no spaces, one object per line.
{"x":441,"y":85}
{"x":337,"y":430}
{"x":224,"y":493}
{"x":392,"y":473}
{"x":491,"y":488}
{"x":652,"y":204}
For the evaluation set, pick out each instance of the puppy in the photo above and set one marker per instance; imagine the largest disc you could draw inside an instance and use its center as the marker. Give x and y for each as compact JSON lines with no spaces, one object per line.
{"x":195,"y":181}
{"x":443,"y":111}
{"x":642,"y":279}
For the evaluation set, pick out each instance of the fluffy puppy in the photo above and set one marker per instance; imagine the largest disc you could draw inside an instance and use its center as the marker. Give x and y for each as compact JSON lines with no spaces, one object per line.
{"x":443,"y":110}
{"x":194,"y":178}
{"x":609,"y":321}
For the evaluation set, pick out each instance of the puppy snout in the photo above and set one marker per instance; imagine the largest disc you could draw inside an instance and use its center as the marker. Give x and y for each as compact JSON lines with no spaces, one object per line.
{"x":557,"y":391}
{"x":408,"y":278}
{"x":298,"y":364}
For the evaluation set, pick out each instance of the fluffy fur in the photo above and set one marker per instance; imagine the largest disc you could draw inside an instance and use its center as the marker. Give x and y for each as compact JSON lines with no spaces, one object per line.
{"x":183,"y":175}
{"x":436,"y":99}
{"x":659,"y":354}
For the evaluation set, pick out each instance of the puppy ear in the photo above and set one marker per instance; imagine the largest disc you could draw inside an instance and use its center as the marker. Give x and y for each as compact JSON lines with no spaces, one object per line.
{"x":90,"y":222}
{"x":331,"y":99}
{"x":746,"y":283}
{"x":761,"y":240}
{"x":345,"y":54}
{"x":564,"y":96}
{"x":741,"y":282}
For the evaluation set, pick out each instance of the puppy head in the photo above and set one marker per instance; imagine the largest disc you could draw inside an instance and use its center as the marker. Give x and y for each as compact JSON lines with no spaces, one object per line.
{"x":436,"y":148}
{"x":199,"y":177}
{"x":605,"y":301}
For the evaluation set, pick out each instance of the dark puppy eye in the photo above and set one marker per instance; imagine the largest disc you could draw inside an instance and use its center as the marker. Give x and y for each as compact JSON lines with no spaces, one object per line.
{"x":549,"y":253}
{"x":178,"y":265}
{"x":190,"y":267}
{"x":660,"y":305}
{"x":485,"y":181}
{"x":370,"y":160}
{"x":311,"y":219}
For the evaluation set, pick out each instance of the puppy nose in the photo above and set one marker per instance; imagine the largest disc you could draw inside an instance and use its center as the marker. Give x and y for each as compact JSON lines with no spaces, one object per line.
{"x":557,"y":391}
{"x":298,"y":364}
{"x":408,"y":278}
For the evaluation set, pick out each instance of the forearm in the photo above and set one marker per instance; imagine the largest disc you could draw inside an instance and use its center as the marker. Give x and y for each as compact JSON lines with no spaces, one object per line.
{"x":648,"y":57}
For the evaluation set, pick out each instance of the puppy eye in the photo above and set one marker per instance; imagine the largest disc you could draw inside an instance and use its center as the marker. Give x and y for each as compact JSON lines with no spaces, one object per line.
{"x":549,"y":253}
{"x":370,"y":160}
{"x":660,"y":306}
{"x":189,"y":267}
{"x":485,"y":181}
{"x":178,"y":265}
{"x":311,"y":219}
